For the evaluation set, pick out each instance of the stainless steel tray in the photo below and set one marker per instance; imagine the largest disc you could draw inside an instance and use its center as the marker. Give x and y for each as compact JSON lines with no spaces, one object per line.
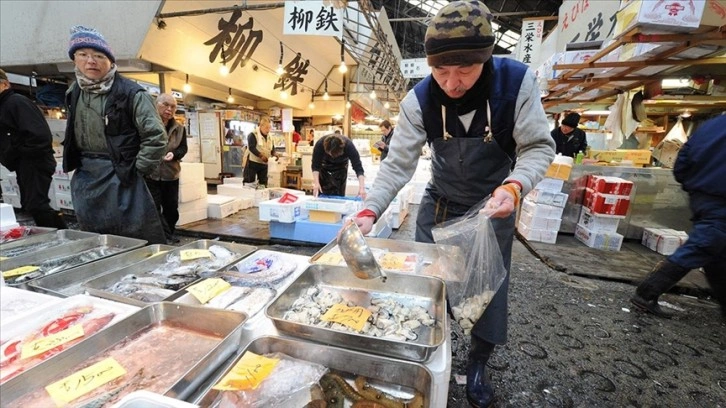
{"x":32,"y":232}
{"x":409,"y":290}
{"x":219,"y":322}
{"x":70,"y":282}
{"x":119,"y":244}
{"x":402,"y":375}
{"x":42,"y":242}
{"x":99,"y":286}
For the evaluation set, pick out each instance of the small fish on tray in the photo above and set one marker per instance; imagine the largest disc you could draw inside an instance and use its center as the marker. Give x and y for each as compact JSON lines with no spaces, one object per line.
{"x":52,"y":266}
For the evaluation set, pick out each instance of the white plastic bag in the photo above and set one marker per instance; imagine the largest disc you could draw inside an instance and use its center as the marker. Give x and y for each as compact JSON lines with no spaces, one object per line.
{"x":480,"y":261}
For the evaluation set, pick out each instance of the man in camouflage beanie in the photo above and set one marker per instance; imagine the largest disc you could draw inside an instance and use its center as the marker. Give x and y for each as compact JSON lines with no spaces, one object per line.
{"x":478,"y":113}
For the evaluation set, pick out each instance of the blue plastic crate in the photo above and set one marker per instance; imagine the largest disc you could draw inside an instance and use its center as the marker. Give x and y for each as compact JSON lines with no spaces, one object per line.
{"x":306,"y":231}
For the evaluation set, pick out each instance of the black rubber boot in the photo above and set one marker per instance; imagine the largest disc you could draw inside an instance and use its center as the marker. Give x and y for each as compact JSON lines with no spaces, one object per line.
{"x":49,"y":219}
{"x":479,"y":390}
{"x":660,"y":280}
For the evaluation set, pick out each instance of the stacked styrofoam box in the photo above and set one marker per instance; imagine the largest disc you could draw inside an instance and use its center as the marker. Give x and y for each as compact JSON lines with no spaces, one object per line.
{"x":192,"y":193}
{"x":542,"y":210}
{"x":194,"y":151}
{"x":61,"y":187}
{"x":7,"y":217}
{"x":330,"y":210}
{"x":285,"y":212}
{"x":244,"y":192}
{"x":221,"y":206}
{"x":663,"y":240}
{"x":606,"y":203}
{"x":233,"y":180}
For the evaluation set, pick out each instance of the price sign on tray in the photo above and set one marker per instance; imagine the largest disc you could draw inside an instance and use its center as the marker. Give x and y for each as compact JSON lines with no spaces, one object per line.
{"x":189,"y":254}
{"x":208,"y":289}
{"x":44,"y":344}
{"x":354,"y":317}
{"x":84,"y":381}
{"x":248,"y":373}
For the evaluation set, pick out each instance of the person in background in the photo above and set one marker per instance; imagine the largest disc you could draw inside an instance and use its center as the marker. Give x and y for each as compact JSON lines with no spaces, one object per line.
{"x":163,"y":182}
{"x":259,"y":150}
{"x":296,"y":137}
{"x":311,"y":137}
{"x":569,"y":139}
{"x":387,"y":134}
{"x":699,"y":166}
{"x":114,"y":137}
{"x":478,"y":113}
{"x":26,"y":147}
{"x":331,"y":155}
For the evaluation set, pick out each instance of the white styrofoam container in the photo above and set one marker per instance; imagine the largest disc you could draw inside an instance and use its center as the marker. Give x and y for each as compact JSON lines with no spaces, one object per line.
{"x":64,"y":200}
{"x":16,"y":303}
{"x":148,"y":399}
{"x":273,"y":210}
{"x":537,"y":235}
{"x":191,"y":173}
{"x":332,"y":205}
{"x":276,"y":193}
{"x":542,"y":223}
{"x":193,"y":205}
{"x":7,"y":216}
{"x":598,"y":222}
{"x":233,"y":180}
{"x":192,"y":191}
{"x":551,"y":185}
{"x":665,"y":241}
{"x":61,"y":185}
{"x":548,"y":197}
{"x":541,"y":210}
{"x":608,"y":241}
{"x":191,"y":216}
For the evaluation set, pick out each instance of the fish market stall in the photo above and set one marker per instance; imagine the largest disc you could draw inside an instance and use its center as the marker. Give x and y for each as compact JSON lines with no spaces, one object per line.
{"x":42,"y":242}
{"x":158,"y":278}
{"x":70,"y":282}
{"x":163,"y":348}
{"x":16,"y":303}
{"x":251,"y":284}
{"x":25,"y":342}
{"x":22,"y":269}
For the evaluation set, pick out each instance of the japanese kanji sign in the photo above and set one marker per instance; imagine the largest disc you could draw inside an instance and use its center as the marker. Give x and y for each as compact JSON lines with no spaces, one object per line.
{"x":415,"y":68}
{"x":530,"y":41}
{"x":312,"y":18}
{"x":585,"y":20}
{"x":235,"y":42}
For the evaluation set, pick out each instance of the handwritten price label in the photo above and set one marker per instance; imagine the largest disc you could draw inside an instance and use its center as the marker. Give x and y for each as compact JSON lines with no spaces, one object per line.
{"x":208,"y":289}
{"x":50,"y":342}
{"x":84,"y":381}
{"x":354,"y":317}
{"x":20,"y":271}
{"x":189,"y":254}
{"x":248,"y":373}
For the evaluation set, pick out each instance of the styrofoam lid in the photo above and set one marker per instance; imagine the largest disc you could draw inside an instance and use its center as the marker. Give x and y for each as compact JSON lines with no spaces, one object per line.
{"x":560,"y":159}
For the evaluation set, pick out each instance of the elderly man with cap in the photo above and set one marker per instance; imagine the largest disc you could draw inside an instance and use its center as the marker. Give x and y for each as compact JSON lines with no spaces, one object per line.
{"x":114,"y":137}
{"x":569,"y":139}
{"x":487,"y":130}
{"x":26,"y":147}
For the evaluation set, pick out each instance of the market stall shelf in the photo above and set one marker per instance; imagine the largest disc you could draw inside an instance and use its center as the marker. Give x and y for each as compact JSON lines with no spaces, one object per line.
{"x":70,"y":282}
{"x":19,"y":271}
{"x":202,"y":340}
{"x":159,"y":278}
{"x":41,"y":242}
{"x":363,"y":374}
{"x":403,"y":293}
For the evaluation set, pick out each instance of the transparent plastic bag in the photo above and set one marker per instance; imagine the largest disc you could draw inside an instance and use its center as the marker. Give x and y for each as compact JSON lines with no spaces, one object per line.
{"x":477,"y":262}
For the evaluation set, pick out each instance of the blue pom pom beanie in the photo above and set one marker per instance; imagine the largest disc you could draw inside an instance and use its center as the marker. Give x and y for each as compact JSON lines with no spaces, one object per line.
{"x":83,"y":37}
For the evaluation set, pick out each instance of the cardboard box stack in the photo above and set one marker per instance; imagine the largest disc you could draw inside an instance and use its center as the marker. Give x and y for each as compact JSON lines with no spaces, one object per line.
{"x":606,"y":202}
{"x":665,"y":241}
{"x":192,"y":193}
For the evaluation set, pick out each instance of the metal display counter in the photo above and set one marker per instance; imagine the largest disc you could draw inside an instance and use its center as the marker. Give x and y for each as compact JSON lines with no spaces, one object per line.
{"x":656,"y":201}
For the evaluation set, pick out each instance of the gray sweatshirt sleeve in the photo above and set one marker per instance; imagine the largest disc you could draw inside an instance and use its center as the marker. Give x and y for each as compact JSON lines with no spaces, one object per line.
{"x":535,"y":147}
{"x":403,"y":155}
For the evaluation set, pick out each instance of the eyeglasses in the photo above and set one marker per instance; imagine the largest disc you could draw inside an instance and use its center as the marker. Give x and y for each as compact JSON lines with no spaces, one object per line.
{"x":86,"y":56}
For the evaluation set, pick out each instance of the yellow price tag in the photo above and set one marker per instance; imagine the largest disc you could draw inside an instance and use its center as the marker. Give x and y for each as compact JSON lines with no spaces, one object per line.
{"x":158,"y":253}
{"x":248,"y":373}
{"x":189,"y":254}
{"x":330,"y":259}
{"x":52,"y":341}
{"x":225,"y":148}
{"x":354,"y":317}
{"x":2,"y":258}
{"x":208,"y":289}
{"x":84,"y":381}
{"x":20,"y":271}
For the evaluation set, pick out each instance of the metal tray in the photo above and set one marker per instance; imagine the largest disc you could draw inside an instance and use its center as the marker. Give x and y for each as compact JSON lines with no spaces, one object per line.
{"x":99,"y":285}
{"x":402,"y":375}
{"x":122,"y":244}
{"x":70,"y":282}
{"x":407,"y":289}
{"x":42,"y":242}
{"x":32,"y":232}
{"x":219,"y":322}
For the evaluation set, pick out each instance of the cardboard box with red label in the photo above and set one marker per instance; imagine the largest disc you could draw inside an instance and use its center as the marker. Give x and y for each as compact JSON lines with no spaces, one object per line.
{"x":608,"y":204}
{"x":610,"y":185}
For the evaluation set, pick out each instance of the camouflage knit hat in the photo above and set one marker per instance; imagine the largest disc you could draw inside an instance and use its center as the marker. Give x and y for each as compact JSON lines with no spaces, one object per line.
{"x":460,"y":34}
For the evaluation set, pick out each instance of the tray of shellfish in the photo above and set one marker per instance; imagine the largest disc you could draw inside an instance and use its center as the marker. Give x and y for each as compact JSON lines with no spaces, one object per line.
{"x":401,"y":317}
{"x":315,"y":375}
{"x":158,"y":278}
{"x":165,"y":348}
{"x":20,"y":270}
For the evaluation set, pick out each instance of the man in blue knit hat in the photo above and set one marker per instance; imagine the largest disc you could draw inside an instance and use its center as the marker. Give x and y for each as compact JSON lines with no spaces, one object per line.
{"x":483,"y":119}
{"x":114,"y":137}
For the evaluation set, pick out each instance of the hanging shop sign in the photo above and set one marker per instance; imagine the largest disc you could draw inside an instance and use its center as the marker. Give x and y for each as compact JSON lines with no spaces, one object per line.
{"x":235,"y":43}
{"x":293,"y":74}
{"x":415,"y":68}
{"x":585,"y":20}
{"x":312,"y":18}
{"x":530,"y":41}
